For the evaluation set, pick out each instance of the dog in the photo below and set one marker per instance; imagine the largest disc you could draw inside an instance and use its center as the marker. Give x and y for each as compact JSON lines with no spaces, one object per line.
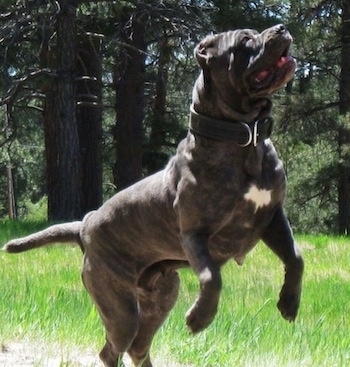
{"x":217,"y":197}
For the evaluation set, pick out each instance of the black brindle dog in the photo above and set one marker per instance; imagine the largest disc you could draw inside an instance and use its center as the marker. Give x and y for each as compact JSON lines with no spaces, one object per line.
{"x":218,"y":196}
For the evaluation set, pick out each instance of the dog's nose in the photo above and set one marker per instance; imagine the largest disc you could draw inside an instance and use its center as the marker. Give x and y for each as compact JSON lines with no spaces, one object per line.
{"x":280,"y":28}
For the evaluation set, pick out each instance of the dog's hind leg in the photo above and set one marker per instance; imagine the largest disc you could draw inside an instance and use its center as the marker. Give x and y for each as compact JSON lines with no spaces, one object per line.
{"x":109,"y":357}
{"x":158,"y":291}
{"x":278,"y":237}
{"x":114,"y":294}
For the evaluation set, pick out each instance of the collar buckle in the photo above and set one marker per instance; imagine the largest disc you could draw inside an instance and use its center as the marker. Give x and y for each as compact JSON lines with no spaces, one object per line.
{"x":254,"y":132}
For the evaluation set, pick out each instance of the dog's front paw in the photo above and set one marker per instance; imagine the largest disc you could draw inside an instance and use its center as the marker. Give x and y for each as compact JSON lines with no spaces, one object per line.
{"x":288,"y":305}
{"x":200,"y":315}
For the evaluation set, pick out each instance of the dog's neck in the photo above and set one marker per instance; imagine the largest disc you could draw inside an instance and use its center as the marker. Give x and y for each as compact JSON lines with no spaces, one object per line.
{"x":227,"y":131}
{"x":208,"y":101}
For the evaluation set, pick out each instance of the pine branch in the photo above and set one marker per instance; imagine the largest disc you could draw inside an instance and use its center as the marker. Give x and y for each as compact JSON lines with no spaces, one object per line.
{"x":18,"y":85}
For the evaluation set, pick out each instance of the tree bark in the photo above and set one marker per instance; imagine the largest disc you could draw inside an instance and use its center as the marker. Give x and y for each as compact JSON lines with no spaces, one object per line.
{"x":344,"y":130}
{"x":158,"y":120}
{"x":130,"y":84}
{"x":60,"y":128}
{"x":89,"y":121}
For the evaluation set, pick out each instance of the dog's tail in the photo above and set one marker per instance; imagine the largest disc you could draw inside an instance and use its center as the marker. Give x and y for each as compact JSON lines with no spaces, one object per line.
{"x":59,"y":233}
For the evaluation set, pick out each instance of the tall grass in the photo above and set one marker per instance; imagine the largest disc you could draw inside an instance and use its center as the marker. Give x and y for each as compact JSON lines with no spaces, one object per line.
{"x":42,"y":295}
{"x":42,"y":299}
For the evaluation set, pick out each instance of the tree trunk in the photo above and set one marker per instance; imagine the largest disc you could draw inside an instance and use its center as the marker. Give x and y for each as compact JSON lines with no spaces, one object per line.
{"x":89,"y":121}
{"x":129,"y":84}
{"x":61,"y":136}
{"x":11,"y":198}
{"x":344,"y":130}
{"x":158,"y":120}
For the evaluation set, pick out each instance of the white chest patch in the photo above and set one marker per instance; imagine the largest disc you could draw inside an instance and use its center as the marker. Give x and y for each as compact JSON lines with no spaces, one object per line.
{"x":259,"y":197}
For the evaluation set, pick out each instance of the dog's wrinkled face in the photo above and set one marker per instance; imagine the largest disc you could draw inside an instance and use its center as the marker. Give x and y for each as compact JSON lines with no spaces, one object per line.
{"x":255,"y":64}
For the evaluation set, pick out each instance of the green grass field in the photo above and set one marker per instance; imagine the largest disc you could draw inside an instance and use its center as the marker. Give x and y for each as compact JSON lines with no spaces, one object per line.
{"x":42,"y":300}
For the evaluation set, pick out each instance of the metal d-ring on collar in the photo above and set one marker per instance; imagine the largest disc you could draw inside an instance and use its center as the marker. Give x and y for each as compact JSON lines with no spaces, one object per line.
{"x":223,"y":130}
{"x":255,"y":133}
{"x":250,"y":135}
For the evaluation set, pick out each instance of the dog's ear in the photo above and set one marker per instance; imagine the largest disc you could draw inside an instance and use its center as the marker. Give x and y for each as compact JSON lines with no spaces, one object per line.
{"x":206,"y":50}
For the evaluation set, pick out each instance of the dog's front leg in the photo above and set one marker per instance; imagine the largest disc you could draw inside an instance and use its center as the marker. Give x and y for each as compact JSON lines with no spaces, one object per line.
{"x":203,"y":311}
{"x":278,"y":236}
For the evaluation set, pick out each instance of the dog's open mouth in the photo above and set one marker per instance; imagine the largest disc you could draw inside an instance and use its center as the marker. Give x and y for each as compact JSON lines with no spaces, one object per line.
{"x":276,"y":75}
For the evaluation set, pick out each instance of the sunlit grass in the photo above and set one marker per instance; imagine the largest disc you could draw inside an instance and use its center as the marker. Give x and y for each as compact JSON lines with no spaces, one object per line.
{"x":43,"y":299}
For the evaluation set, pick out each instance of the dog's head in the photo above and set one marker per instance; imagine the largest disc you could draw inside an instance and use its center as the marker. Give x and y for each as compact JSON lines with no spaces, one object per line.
{"x":250,"y":63}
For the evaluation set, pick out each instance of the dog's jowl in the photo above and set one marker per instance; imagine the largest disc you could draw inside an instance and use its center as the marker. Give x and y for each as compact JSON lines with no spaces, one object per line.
{"x":218,"y":196}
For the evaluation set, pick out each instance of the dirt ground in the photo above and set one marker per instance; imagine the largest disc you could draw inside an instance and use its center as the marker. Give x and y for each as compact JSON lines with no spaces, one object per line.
{"x":27,"y":354}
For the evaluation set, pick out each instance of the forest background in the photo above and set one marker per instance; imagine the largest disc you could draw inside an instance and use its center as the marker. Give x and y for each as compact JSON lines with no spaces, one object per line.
{"x":95,"y":95}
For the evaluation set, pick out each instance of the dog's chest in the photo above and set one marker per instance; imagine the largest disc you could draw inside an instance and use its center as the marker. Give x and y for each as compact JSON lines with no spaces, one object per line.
{"x":236,"y":231}
{"x":260,"y":198}
{"x":233,"y":198}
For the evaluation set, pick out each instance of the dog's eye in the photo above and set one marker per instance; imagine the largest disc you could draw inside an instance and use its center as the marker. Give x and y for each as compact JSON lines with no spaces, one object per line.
{"x":245,"y":41}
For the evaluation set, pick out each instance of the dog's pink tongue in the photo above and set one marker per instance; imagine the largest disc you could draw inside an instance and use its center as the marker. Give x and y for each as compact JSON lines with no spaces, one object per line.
{"x":279,"y":64}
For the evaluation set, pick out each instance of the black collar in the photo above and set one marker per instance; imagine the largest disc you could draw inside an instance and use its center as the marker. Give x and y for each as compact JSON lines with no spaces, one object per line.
{"x":240,"y":132}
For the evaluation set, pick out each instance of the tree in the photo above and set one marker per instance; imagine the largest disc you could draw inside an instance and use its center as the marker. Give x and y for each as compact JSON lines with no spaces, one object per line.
{"x":344,"y":128}
{"x":124,"y":97}
{"x":129,"y":79}
{"x":19,"y":79}
{"x":248,"y":14}
{"x":61,"y":134}
{"x":52,"y":69}
{"x":157,"y":136}
{"x":89,"y":120}
{"x":153,"y":29}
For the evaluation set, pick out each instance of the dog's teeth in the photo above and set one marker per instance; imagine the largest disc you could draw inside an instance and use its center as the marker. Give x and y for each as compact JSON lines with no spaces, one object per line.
{"x":281,"y":61}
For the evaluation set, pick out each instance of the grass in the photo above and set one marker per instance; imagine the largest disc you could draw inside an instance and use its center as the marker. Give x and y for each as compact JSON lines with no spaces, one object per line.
{"x":42,"y":295}
{"x":42,"y":300}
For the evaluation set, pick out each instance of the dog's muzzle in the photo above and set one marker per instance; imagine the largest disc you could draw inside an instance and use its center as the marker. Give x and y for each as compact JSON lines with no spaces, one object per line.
{"x":242,"y":133}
